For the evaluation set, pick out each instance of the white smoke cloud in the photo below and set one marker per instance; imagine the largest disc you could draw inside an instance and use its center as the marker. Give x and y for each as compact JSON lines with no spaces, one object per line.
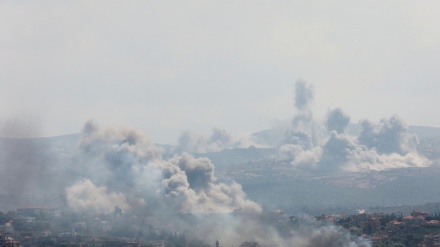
{"x":128,"y":141}
{"x":337,"y":120}
{"x":218,"y":140}
{"x":304,"y":94}
{"x":133,"y":174}
{"x":305,"y":131}
{"x":327,"y":236}
{"x":342,"y":151}
{"x":191,"y":182}
{"x":85,"y":196}
{"x":379,"y":146}
{"x":389,"y":136}
{"x":307,"y":158}
{"x":131,"y":169}
{"x":194,"y":143}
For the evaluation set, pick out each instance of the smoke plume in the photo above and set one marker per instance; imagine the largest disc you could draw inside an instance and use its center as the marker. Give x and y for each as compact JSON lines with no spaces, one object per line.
{"x":193,"y":143}
{"x":122,"y":168}
{"x":124,"y":162}
{"x":93,"y":198}
{"x":389,"y":136}
{"x":337,"y":120}
{"x":379,"y":146}
{"x":26,"y":164}
{"x":304,"y":129}
{"x":218,"y":140}
{"x":327,"y":236}
{"x":304,"y":94}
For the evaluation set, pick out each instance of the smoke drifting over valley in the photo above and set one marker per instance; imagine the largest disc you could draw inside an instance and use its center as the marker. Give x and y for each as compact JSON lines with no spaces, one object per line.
{"x":123,"y":169}
{"x":194,"y":143}
{"x":225,"y":142}
{"x":379,"y":146}
{"x":26,"y":164}
{"x":218,"y":140}
{"x":132,"y":172}
{"x":112,"y":168}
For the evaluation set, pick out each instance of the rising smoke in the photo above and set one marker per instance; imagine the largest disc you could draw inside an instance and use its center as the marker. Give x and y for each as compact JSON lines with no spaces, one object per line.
{"x":389,"y":136}
{"x":379,"y":146}
{"x":337,"y":120}
{"x":123,"y":169}
{"x":218,"y":140}
{"x":329,"y":236}
{"x":26,"y":164}
{"x":129,"y":165}
{"x":305,"y":131}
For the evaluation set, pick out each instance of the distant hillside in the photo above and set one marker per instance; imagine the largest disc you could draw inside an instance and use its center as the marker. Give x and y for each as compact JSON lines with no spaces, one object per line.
{"x":271,"y":181}
{"x":230,"y":157}
{"x":273,"y":136}
{"x":64,"y":142}
{"x":425,"y":132}
{"x":278,"y":184}
{"x":53,"y":140}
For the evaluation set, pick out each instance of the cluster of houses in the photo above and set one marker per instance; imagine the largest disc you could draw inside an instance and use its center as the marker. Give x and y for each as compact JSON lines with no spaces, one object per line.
{"x":417,"y":229}
{"x":37,"y":226}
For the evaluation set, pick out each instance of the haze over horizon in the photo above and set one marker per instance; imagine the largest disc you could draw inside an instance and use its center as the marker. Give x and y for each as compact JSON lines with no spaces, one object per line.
{"x":205,"y":77}
{"x":168,"y":67}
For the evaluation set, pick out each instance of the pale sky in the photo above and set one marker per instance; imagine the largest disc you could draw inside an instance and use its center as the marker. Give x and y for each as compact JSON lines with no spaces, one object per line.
{"x":168,"y":66}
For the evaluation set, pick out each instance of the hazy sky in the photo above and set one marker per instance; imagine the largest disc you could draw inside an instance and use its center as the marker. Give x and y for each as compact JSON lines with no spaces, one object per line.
{"x":168,"y":66}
